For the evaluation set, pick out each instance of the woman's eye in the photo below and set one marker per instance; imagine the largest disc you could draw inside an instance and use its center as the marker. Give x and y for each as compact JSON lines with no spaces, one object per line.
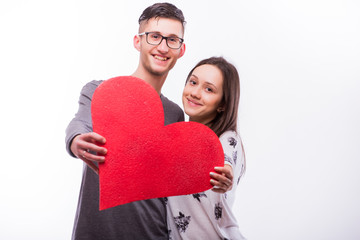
{"x":192,"y":82}
{"x":209,"y":89}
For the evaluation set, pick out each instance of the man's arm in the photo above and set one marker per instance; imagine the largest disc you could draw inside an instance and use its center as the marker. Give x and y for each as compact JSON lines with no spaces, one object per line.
{"x":81,"y":142}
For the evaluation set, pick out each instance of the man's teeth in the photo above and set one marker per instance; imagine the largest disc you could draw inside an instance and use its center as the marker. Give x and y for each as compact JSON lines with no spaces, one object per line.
{"x":161,"y":58}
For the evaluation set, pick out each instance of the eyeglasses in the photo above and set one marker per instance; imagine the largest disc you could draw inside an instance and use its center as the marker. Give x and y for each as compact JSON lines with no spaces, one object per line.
{"x":154,"y":38}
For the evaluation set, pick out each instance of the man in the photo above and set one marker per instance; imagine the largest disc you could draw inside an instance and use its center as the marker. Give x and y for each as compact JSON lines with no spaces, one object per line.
{"x":160,"y":43}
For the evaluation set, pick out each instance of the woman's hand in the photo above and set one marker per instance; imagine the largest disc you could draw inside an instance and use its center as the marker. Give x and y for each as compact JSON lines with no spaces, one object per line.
{"x":222,"y":179}
{"x":84,"y":145}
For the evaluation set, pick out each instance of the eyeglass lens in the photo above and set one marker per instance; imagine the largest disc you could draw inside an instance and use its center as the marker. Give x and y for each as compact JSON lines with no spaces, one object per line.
{"x":156,"y":38}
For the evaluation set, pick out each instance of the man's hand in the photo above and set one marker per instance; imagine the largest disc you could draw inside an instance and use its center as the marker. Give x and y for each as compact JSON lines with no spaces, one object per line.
{"x":84,"y":146}
{"x":222,"y":180}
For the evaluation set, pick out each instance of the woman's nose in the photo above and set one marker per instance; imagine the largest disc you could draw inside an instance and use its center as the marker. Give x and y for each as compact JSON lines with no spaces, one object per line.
{"x":195,"y":92}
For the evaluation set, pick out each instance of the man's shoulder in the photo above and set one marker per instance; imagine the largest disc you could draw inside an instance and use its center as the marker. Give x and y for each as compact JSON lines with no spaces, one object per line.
{"x":89,"y":88}
{"x":92,"y":84}
{"x":172,"y":112}
{"x":169,"y":105}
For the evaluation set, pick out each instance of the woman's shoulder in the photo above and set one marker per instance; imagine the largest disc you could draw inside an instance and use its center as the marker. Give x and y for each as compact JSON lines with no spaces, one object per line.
{"x":230,"y":137}
{"x":234,"y":153}
{"x":232,"y":146}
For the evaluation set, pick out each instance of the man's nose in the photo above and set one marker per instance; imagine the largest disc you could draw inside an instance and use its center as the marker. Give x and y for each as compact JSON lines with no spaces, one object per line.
{"x":163,"y":47}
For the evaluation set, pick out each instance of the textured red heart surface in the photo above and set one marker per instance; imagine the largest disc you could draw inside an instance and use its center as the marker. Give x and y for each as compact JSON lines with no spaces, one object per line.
{"x":146,"y":159}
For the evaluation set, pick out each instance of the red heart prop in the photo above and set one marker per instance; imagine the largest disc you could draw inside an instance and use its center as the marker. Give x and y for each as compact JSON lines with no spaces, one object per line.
{"x":146,"y":159}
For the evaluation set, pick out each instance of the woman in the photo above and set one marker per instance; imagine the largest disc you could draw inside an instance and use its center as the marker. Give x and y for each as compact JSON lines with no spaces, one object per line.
{"x":211,"y":97}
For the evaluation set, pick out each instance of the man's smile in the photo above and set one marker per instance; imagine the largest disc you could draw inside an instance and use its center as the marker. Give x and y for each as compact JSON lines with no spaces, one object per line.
{"x":161,"y":58}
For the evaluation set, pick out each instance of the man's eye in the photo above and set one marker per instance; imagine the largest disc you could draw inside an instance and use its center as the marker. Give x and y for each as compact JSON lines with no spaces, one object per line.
{"x":155,"y":36}
{"x":173,"y":40}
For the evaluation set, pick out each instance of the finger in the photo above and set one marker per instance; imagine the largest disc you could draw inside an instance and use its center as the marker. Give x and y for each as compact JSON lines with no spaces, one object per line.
{"x":88,"y":162}
{"x":90,"y":143}
{"x":217,"y":188}
{"x":92,"y":157}
{"x":91,"y":165}
{"x":97,"y":149}
{"x":87,"y":141}
{"x":218,"y":184}
{"x":92,"y":148}
{"x":226,"y":171}
{"x":94,"y":138}
{"x":221,"y":179}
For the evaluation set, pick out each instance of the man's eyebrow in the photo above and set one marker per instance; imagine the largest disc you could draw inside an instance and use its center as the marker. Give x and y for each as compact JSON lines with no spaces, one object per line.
{"x":170,"y":35}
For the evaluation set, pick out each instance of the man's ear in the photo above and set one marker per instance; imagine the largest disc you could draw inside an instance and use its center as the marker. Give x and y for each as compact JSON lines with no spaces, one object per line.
{"x":182,"y":50}
{"x":137,"y":42}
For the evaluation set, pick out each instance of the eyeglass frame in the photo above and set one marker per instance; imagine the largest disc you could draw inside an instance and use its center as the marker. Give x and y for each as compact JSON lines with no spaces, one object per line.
{"x":162,"y":38}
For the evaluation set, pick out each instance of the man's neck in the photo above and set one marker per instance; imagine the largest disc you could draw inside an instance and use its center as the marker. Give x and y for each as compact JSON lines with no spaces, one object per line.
{"x":154,"y":80}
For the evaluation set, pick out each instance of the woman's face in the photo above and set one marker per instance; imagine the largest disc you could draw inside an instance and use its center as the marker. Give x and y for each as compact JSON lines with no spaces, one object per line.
{"x":203,"y":93}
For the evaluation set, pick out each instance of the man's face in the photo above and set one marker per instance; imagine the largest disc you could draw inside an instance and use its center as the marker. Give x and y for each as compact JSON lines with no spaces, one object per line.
{"x":159,"y":59}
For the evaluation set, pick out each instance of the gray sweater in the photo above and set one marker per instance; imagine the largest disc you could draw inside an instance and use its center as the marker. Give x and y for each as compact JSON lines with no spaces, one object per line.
{"x":137,"y":220}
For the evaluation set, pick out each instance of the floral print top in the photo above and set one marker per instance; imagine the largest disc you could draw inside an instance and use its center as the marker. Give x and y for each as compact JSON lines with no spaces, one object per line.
{"x":208,"y":215}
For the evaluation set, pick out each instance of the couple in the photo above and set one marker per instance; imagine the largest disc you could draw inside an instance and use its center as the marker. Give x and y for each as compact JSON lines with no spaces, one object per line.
{"x":211,"y":97}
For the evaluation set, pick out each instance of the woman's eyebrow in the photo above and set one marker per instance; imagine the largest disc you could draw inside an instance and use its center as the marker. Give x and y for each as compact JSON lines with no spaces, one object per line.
{"x":206,"y":82}
{"x":193,"y":75}
{"x":211,"y":84}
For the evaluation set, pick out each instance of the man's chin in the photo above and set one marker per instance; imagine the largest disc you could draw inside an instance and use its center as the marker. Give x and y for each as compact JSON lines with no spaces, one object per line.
{"x":159,"y":72}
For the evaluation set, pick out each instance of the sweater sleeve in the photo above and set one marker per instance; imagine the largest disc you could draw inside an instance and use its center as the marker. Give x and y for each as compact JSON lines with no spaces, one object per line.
{"x":82,"y":122}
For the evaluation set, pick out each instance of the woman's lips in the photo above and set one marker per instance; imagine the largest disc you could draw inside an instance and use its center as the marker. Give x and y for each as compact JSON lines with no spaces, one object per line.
{"x":193,"y":103}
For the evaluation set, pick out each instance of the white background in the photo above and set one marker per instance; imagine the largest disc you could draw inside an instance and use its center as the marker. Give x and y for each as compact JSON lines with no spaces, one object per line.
{"x":299,"y":113}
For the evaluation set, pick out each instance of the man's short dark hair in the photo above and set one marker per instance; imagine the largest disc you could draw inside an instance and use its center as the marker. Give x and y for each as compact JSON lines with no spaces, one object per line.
{"x":165,"y":10}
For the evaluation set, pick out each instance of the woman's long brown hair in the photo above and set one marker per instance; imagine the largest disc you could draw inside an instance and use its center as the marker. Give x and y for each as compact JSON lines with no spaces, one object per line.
{"x":227,"y":119}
